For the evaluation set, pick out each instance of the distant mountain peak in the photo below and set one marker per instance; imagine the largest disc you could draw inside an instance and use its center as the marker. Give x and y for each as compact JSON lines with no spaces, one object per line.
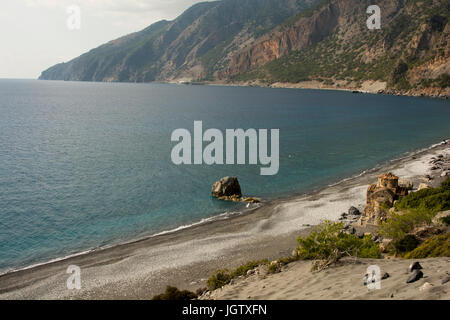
{"x":282,"y":41}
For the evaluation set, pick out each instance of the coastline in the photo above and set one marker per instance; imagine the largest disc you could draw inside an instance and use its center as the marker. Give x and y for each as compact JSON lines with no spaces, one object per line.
{"x":142,"y":268}
{"x":367,"y":87}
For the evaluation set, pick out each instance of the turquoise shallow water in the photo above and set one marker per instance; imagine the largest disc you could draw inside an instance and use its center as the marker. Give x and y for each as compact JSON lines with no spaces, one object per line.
{"x":84,"y":165}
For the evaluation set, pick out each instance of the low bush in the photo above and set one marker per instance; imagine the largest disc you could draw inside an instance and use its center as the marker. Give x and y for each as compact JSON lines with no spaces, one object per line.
{"x":276,"y":267}
{"x":399,"y":224}
{"x":172,"y":293}
{"x":416,"y":209}
{"x":328,"y":243}
{"x":242,"y":270}
{"x":224,"y":276}
{"x":273,"y":268}
{"x":437,"y":246}
{"x":406,"y":244}
{"x":445,"y":220}
{"x":432,"y":200}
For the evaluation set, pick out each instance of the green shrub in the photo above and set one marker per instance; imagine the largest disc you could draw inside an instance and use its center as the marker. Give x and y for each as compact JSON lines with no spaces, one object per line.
{"x":432,"y":199}
{"x":242,"y":270}
{"x":437,"y":246}
{"x":219,"y":279}
{"x":400,"y":224}
{"x":328,"y":243}
{"x":273,"y":268}
{"x":276,"y":267}
{"x":172,"y":293}
{"x":445,"y":220}
{"x":224,"y":276}
{"x":368,"y":248}
{"x":417,"y":208}
{"x":406,"y":244}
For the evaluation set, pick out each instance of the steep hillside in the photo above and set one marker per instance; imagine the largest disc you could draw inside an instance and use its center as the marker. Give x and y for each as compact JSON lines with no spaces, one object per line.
{"x":295,"y":43}
{"x":332,"y":46}
{"x":192,"y":46}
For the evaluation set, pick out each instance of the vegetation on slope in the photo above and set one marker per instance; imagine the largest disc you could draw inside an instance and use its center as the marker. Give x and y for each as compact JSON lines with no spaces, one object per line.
{"x":437,"y":246}
{"x":411,"y":38}
{"x":416,"y":209}
{"x":328,"y":243}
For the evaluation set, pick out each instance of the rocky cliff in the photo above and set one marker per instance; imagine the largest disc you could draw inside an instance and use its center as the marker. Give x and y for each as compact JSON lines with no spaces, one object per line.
{"x":191,"y":47}
{"x":332,"y":45}
{"x":317,"y":43}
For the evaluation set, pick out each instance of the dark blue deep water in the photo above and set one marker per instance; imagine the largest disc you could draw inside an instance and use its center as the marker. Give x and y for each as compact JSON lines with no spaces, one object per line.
{"x":84,"y":165}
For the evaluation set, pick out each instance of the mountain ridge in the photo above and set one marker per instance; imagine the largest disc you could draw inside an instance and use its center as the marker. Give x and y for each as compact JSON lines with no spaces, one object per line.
{"x":290,"y":43}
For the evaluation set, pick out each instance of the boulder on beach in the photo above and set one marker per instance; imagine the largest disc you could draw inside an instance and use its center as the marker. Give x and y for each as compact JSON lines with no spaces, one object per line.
{"x":353,"y":211}
{"x":415,"y":275}
{"x":227,"y":187}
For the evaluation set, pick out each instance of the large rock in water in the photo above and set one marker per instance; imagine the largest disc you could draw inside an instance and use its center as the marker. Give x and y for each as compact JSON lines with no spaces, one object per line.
{"x":226,"y":187}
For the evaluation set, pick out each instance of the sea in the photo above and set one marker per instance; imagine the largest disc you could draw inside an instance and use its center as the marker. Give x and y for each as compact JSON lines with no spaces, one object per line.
{"x":88,"y":165}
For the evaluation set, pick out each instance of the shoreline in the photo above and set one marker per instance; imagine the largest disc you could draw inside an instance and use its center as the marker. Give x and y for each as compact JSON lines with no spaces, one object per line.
{"x":368,"y":87}
{"x":153,"y":260}
{"x":221,"y":216}
{"x":286,"y":85}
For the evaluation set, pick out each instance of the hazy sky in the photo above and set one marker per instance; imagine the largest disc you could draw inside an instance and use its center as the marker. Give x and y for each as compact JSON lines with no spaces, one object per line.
{"x":34,"y":34}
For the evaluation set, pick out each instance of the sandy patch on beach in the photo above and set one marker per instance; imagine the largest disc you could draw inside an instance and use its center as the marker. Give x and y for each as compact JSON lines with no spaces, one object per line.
{"x":343,"y":282}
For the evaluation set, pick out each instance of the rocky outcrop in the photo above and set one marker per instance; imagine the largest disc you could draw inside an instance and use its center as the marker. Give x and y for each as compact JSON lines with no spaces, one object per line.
{"x":415,"y":275}
{"x":353,"y":211}
{"x":425,"y":232}
{"x":381,"y":196}
{"x":285,"y":39}
{"x":283,"y":42}
{"x":423,"y":186}
{"x":227,"y":187}
{"x":189,"y":48}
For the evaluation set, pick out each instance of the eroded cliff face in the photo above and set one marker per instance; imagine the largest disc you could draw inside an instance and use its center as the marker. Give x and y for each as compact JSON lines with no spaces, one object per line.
{"x":286,"y":38}
{"x":410,"y":54}
{"x":297,"y":43}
